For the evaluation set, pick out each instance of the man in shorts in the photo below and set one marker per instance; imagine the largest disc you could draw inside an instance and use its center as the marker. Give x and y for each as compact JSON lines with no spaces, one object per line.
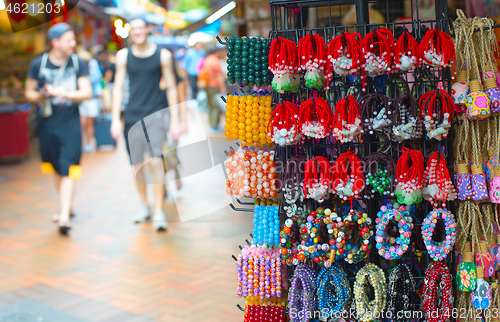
{"x":145,"y":129}
{"x":58,"y":82}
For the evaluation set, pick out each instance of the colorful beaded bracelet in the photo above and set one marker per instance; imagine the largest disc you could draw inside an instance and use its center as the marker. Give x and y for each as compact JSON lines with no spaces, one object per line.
{"x":358,"y":246}
{"x":334,"y":290}
{"x":389,"y":247}
{"x":439,"y":250}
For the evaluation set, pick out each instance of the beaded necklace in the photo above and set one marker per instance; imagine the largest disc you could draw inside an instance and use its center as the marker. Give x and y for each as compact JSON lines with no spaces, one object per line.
{"x":437,"y":310}
{"x":312,"y":53}
{"x":317,"y":178}
{"x":380,"y":175}
{"x":410,"y":173}
{"x":347,"y":179}
{"x":283,"y":126}
{"x":346,"y":121}
{"x":344,"y":55}
{"x":437,"y":49}
{"x":401,"y":290}
{"x":437,"y":185}
{"x":283,"y":63}
{"x":370,"y":310}
{"x":302,"y":293}
{"x":406,"y":119}
{"x":334,"y":290}
{"x":376,"y":111}
{"x":315,"y":118}
{"x":438,"y":108}
{"x":406,"y":54}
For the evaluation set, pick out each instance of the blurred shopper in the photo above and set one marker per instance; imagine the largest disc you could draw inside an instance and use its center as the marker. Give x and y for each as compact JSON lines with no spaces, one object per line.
{"x":145,"y":64}
{"x":58,"y":81}
{"x":191,"y":59}
{"x":216,"y":84}
{"x":89,"y":109}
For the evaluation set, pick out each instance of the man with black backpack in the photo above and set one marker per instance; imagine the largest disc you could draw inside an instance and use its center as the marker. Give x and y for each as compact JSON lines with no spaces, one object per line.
{"x":57,"y":81}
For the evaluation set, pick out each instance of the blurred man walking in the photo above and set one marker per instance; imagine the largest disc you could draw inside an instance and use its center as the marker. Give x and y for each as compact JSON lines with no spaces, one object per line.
{"x":58,"y":81}
{"x":145,"y":65}
{"x":192,"y":59}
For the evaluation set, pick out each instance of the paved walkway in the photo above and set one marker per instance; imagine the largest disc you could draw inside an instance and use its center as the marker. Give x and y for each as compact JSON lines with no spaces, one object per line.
{"x":110,"y":269}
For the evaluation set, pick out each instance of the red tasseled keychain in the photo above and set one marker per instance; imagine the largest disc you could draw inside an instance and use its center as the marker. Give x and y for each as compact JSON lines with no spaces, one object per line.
{"x":315,"y":118}
{"x":317,"y":178}
{"x":377,"y":48}
{"x":410,"y":173}
{"x":437,"y":185}
{"x":344,"y":55}
{"x":312,"y":54}
{"x":283,"y":63}
{"x":407,"y":53}
{"x":347,"y":176}
{"x":437,"y":108}
{"x":346,"y":124}
{"x":283,"y":125}
{"x":438,"y":50}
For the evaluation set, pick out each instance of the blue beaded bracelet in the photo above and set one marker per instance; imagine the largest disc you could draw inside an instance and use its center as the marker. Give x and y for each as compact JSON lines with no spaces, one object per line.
{"x":333,"y":291}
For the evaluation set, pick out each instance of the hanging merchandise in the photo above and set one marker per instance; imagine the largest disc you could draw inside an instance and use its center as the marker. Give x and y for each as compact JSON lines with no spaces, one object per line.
{"x":347,"y":179}
{"x":358,"y":244}
{"x":439,"y":250}
{"x":302,"y":294}
{"x":344,"y":55}
{"x":380,"y":175}
{"x":437,"y":50}
{"x":410,"y":174}
{"x":337,"y":234}
{"x":317,"y":179}
{"x":478,"y":179}
{"x":459,"y":91}
{"x":346,"y":120}
{"x":406,"y":53}
{"x":283,"y":63}
{"x":247,"y":62}
{"x":259,"y":273}
{"x":392,"y":248}
{"x":266,"y":222}
{"x":437,"y":293}
{"x":406,"y":119}
{"x":477,"y":102}
{"x":401,"y":292}
{"x":378,"y":49}
{"x":283,"y":126}
{"x":310,"y":244}
{"x":437,"y":108}
{"x":370,"y":310}
{"x":437,"y":185}
{"x":334,"y":291}
{"x":293,"y":184}
{"x":315,"y":118}
{"x":466,"y":272}
{"x":481,"y":296}
{"x":376,"y":112}
{"x":312,"y":53}
{"x":251,"y":174}
{"x":272,"y":310}
{"x":247,"y":117}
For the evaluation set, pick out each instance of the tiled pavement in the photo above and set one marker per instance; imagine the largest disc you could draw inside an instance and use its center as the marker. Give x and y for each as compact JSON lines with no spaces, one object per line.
{"x":110,"y":269}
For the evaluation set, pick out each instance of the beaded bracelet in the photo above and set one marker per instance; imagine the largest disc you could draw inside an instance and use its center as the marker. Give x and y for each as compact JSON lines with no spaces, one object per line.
{"x":272,"y":310}
{"x":380,"y":175}
{"x":266,"y":221}
{"x":337,"y":233}
{"x":358,"y":245}
{"x":370,"y":310}
{"x":401,"y":290}
{"x":437,"y":310}
{"x":310,"y":237}
{"x":334,"y":291}
{"x":259,"y":272}
{"x":392,"y":248}
{"x":302,"y":293}
{"x":439,"y":250}
{"x":247,"y":62}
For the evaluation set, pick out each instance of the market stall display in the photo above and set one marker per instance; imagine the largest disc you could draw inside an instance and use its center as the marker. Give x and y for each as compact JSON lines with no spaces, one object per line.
{"x":366,"y":134}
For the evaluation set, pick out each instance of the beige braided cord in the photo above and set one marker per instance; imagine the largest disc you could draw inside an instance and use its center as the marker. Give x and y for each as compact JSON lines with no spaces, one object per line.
{"x":489,"y":234}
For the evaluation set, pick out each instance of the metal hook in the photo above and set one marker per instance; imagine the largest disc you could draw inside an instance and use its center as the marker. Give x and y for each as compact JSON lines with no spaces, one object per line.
{"x":221,"y":41}
{"x":240,"y":308}
{"x":248,"y":243}
{"x":239,"y":246}
{"x":240,"y":209}
{"x":223,"y":99}
{"x":242,"y":202}
{"x":234,"y":257}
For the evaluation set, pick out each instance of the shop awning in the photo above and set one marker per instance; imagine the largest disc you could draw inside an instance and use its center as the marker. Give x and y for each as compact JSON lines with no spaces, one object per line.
{"x":153,"y":13}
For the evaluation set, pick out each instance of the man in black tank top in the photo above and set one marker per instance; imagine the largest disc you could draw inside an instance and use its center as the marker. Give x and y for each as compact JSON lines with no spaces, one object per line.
{"x":145,"y":128}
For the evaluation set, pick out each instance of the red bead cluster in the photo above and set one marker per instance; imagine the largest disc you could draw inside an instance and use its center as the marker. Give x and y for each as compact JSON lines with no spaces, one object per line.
{"x":258,"y":313}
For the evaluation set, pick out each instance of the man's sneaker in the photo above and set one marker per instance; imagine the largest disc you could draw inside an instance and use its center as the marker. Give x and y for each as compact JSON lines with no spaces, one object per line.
{"x":160,"y":221}
{"x":142,"y":215}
